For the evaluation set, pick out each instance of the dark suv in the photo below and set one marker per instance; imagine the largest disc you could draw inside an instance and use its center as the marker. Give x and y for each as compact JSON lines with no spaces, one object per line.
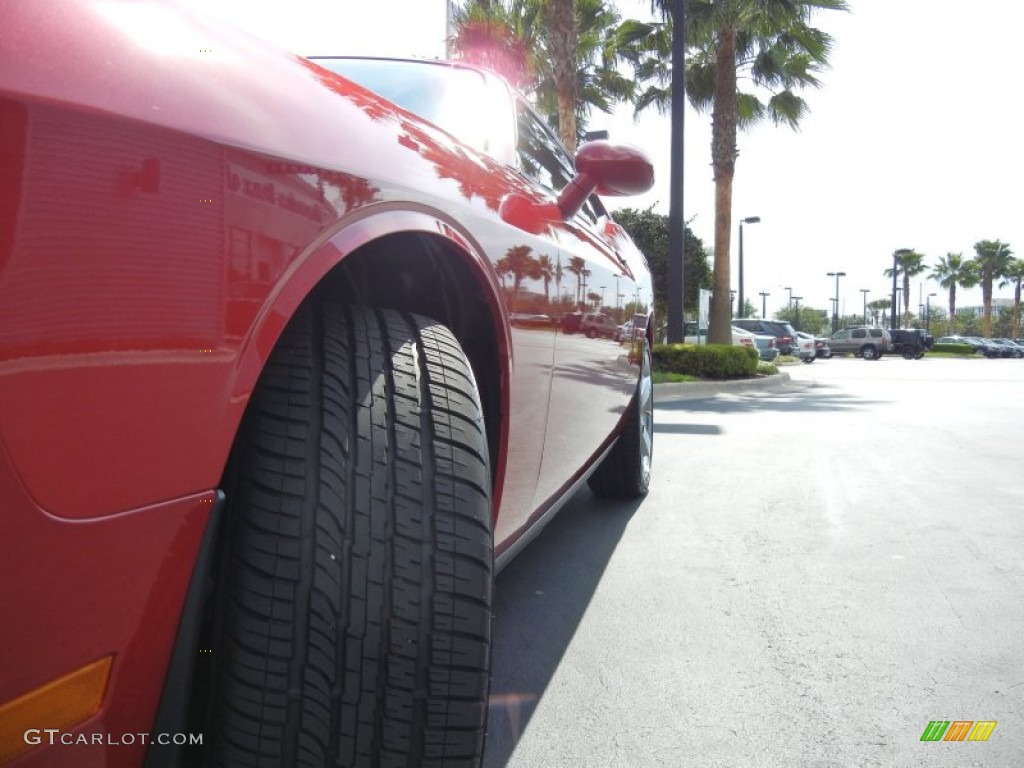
{"x":782,"y":331}
{"x":912,"y":343}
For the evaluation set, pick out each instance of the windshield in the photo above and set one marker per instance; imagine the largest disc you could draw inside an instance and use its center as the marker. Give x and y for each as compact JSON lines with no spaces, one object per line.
{"x":461,"y":101}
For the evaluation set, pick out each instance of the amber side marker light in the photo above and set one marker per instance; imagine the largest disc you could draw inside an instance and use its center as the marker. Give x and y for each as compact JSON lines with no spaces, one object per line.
{"x":62,"y":703}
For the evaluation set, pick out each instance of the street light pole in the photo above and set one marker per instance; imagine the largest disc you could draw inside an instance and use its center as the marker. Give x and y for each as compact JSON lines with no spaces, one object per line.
{"x":764,"y":310}
{"x":748,"y":220}
{"x":796,"y":315}
{"x":865,"y":291}
{"x":676,"y":222}
{"x":928,"y":312}
{"x":835,"y":312}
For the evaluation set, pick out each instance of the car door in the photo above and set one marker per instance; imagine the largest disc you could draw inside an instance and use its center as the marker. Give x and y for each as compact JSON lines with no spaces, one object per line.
{"x":840,"y":342}
{"x":600,"y":272}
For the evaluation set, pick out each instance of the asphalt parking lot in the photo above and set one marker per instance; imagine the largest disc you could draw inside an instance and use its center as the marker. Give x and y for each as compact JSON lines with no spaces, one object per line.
{"x":819,"y":572}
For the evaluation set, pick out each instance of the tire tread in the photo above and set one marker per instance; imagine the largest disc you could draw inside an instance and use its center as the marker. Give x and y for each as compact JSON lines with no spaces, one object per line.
{"x":355,"y":602}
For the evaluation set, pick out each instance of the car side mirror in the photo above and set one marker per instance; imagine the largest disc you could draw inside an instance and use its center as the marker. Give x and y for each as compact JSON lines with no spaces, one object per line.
{"x":602,"y":167}
{"x":607,"y":169}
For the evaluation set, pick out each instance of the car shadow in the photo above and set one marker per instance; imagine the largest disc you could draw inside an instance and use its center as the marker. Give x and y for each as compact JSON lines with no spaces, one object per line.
{"x":539,"y":601}
{"x":687,"y":429}
{"x":817,"y":398}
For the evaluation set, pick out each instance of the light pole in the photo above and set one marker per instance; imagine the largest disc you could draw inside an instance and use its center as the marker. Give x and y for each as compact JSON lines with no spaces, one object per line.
{"x":835,"y":312}
{"x":789,"y":302}
{"x":748,"y":220}
{"x":796,"y":315}
{"x":676,"y":222}
{"x":732,"y":300}
{"x":865,"y":291}
{"x":764,"y":305}
{"x":928,"y":312}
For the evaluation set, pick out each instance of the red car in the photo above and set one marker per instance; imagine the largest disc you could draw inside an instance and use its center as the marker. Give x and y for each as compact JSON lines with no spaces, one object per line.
{"x":266,"y":429}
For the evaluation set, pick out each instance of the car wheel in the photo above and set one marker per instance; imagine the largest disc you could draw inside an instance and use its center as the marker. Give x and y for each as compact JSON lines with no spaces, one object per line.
{"x":353,"y":606}
{"x":626,"y":470}
{"x":868,"y":352}
{"x":807,"y":359}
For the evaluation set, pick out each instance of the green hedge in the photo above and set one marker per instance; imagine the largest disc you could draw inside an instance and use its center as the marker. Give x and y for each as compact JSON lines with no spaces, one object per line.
{"x":707,"y":361}
{"x":954,"y":349}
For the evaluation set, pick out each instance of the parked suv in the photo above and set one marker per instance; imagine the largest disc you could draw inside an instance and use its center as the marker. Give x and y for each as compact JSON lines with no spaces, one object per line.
{"x":869,"y":343}
{"x":596,"y":324}
{"x":912,"y":343}
{"x":782,"y":331}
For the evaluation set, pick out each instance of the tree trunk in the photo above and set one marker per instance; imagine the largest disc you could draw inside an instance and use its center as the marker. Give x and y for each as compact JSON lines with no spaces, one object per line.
{"x":986,"y":303}
{"x":561,"y":20}
{"x":723,"y":162}
{"x":1016,"y":311}
{"x":952,"y":310}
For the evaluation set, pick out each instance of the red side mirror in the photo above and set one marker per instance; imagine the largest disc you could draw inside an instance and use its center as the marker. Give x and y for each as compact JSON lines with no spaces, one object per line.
{"x":608,"y":169}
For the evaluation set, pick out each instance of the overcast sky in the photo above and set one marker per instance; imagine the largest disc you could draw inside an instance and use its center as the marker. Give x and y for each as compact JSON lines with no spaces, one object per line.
{"x":914,"y":140}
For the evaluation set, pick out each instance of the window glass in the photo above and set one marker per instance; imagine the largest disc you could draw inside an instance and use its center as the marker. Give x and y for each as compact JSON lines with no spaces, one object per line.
{"x":860,"y":334}
{"x":541,"y":157}
{"x":841,"y":336}
{"x":459,"y":100}
{"x":875,"y":333}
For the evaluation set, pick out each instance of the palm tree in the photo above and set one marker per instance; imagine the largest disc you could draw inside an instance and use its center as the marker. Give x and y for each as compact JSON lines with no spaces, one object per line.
{"x":577,"y":266}
{"x":546,"y":271}
{"x":518,"y":39}
{"x":879,"y":307}
{"x":499,"y":37}
{"x":991,"y":260}
{"x":1014,"y":275}
{"x":563,"y":45}
{"x":520,"y":264}
{"x":908,"y":263}
{"x":950,"y":272}
{"x":599,"y":82}
{"x":771,"y":42}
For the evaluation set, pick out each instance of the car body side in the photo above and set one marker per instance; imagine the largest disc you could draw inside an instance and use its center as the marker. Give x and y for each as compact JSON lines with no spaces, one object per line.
{"x":163,"y":214}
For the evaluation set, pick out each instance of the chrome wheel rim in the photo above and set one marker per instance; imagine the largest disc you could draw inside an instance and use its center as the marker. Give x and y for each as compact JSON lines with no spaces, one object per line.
{"x":646,"y":403}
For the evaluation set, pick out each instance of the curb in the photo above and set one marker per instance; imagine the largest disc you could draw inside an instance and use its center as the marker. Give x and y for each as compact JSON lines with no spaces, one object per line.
{"x":701,"y":389}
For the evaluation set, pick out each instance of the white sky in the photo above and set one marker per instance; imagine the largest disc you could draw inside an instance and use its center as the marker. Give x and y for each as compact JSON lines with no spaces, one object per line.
{"x":913,"y":141}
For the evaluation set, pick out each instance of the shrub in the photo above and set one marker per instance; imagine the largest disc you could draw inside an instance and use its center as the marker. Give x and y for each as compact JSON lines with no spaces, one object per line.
{"x":706,"y":361}
{"x":953,"y":349}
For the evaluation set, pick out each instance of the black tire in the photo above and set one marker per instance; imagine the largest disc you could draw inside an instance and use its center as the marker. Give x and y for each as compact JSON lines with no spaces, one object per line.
{"x":625,"y":472}
{"x":868,"y":352}
{"x":354,"y":597}
{"x":806,"y":359}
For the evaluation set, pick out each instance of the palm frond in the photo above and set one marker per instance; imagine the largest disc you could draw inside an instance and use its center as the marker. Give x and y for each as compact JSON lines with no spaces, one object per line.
{"x":786,"y":107}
